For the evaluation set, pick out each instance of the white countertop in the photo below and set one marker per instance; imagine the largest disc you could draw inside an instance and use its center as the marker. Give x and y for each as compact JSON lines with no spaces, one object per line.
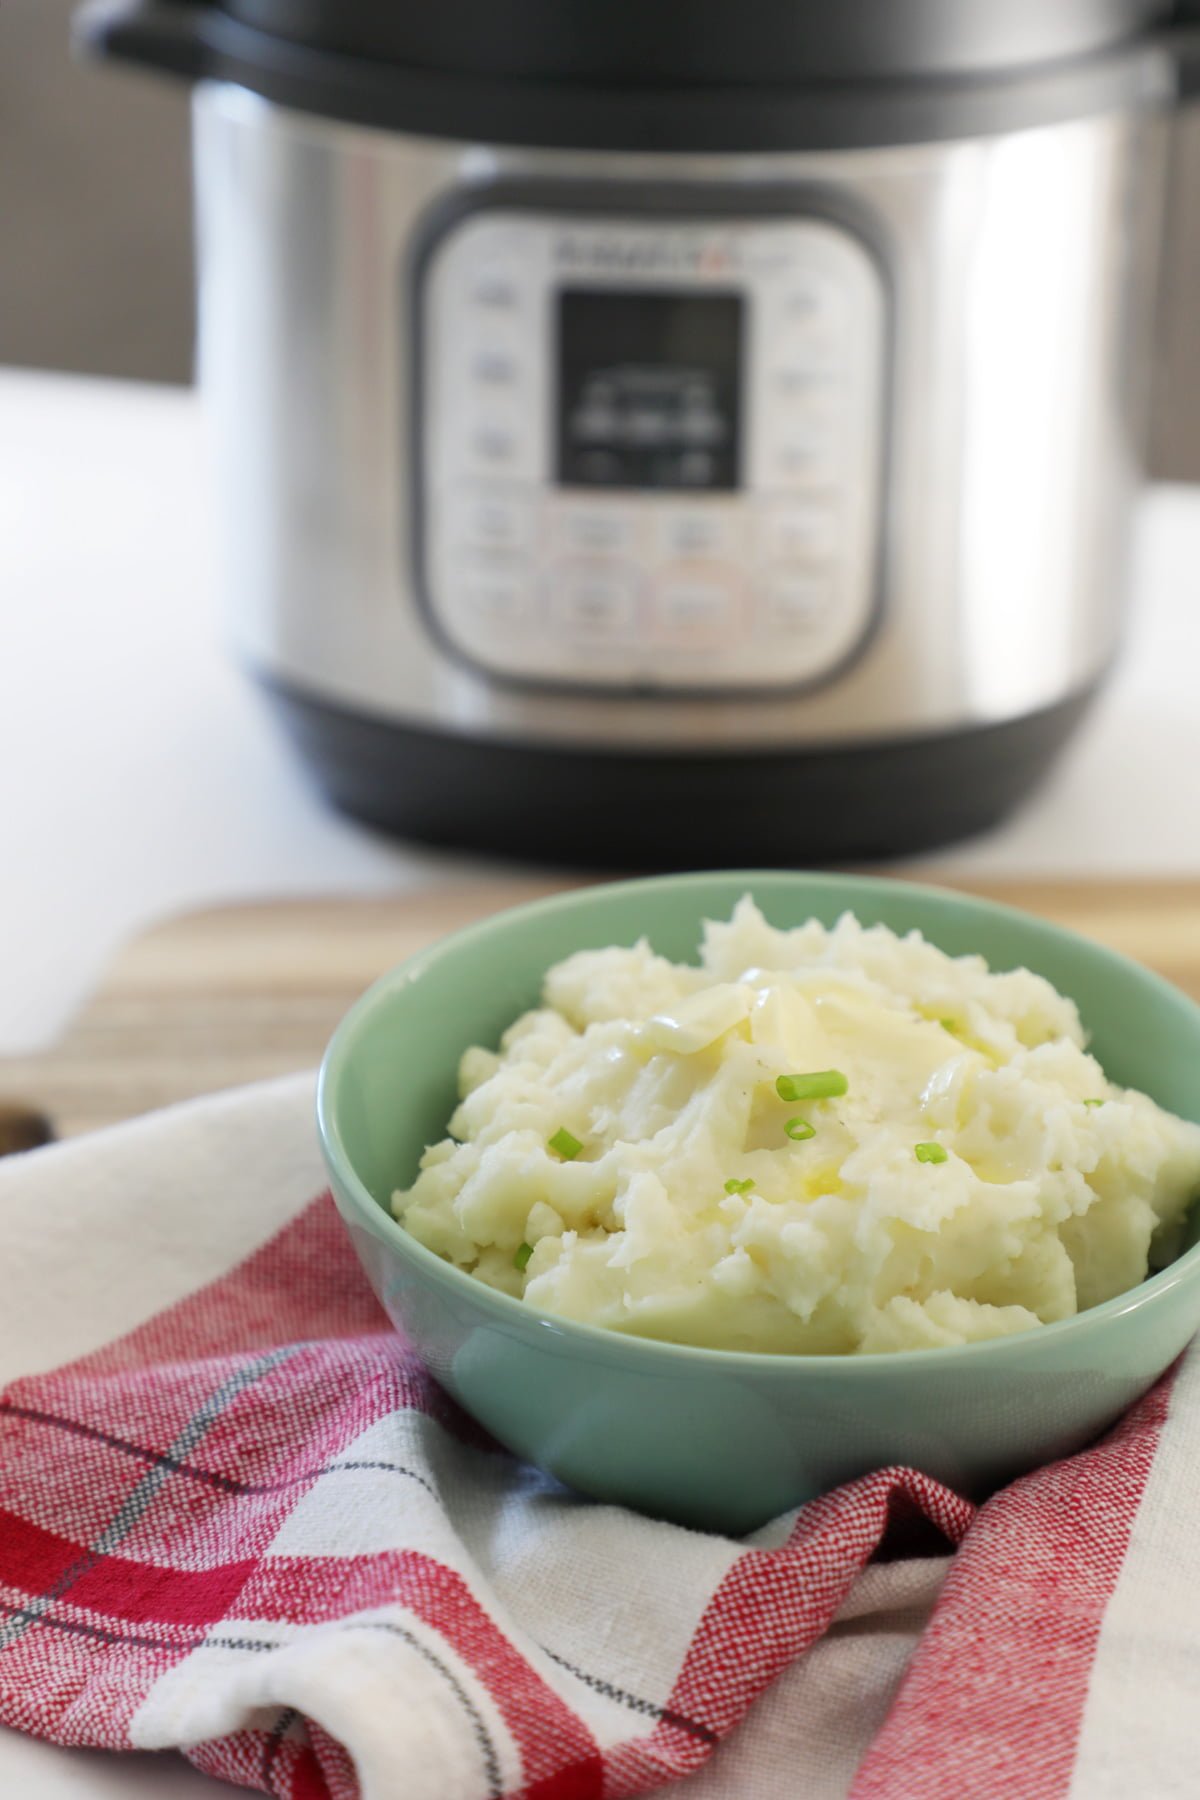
{"x":140,"y":773}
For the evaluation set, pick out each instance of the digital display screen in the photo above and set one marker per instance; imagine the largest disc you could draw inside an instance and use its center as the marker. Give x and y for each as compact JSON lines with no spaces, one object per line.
{"x":649,"y":389}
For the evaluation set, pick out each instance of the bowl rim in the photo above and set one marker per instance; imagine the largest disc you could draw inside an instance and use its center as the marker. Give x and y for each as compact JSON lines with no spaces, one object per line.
{"x":604,"y":1343}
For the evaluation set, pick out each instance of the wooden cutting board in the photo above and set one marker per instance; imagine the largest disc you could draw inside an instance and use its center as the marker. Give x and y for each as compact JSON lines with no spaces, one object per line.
{"x":238,"y":993}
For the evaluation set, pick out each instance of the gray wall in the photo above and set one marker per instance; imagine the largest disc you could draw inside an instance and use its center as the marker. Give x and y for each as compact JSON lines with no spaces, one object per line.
{"x":1175,"y":445}
{"x":95,"y":208}
{"x":95,"y":252}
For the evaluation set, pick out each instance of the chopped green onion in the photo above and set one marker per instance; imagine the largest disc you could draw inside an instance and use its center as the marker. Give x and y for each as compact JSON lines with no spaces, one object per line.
{"x":800,"y":1129}
{"x":932,"y":1153}
{"x":1093,"y":1103}
{"x":566,"y":1143}
{"x":822,"y":1084}
{"x":948,"y":1024}
{"x":734,"y":1186}
{"x":521,"y":1259}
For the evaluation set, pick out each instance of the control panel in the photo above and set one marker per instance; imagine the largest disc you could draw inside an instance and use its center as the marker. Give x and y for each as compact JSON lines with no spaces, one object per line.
{"x":650,"y":448}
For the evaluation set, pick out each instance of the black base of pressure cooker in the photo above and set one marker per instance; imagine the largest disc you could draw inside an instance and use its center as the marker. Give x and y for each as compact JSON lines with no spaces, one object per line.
{"x":595,"y":809}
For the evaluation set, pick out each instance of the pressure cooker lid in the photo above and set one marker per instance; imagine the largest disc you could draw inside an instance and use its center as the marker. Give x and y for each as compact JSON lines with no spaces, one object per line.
{"x":662,"y":74}
{"x":676,"y":41}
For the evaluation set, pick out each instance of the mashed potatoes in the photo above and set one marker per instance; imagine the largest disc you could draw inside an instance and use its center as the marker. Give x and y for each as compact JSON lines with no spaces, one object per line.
{"x":819,"y":1140}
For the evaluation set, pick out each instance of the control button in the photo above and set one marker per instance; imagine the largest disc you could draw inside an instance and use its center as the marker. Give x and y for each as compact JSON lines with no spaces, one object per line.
{"x":807,"y":357}
{"x":494,"y":594}
{"x":813,"y":303}
{"x":494,"y":367}
{"x":806,"y":457}
{"x":803,"y":530}
{"x":494,"y":447}
{"x":796,"y":604}
{"x":595,"y":530}
{"x":697,"y":608}
{"x":485,"y":521}
{"x":596,"y":606}
{"x":697,"y":531}
{"x":809,"y":377}
{"x":495,"y":288}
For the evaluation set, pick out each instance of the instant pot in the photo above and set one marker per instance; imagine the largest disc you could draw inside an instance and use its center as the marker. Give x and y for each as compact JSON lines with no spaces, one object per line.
{"x":658,"y":431}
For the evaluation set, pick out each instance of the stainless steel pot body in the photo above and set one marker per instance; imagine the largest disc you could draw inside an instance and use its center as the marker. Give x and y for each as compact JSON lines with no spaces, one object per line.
{"x":1007,"y":294}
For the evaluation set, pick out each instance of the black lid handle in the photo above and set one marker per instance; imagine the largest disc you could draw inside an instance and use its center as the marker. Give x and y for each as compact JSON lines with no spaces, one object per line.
{"x":168,"y":35}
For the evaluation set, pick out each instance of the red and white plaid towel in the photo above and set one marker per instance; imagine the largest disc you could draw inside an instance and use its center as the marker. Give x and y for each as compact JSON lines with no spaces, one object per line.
{"x":236,"y":1517}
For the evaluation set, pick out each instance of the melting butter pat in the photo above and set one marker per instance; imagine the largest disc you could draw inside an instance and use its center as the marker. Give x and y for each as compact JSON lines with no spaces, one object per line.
{"x":697,"y":1020}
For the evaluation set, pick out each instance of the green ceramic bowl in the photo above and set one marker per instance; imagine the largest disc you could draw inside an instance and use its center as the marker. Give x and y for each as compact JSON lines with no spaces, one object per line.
{"x":714,"y":1438}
